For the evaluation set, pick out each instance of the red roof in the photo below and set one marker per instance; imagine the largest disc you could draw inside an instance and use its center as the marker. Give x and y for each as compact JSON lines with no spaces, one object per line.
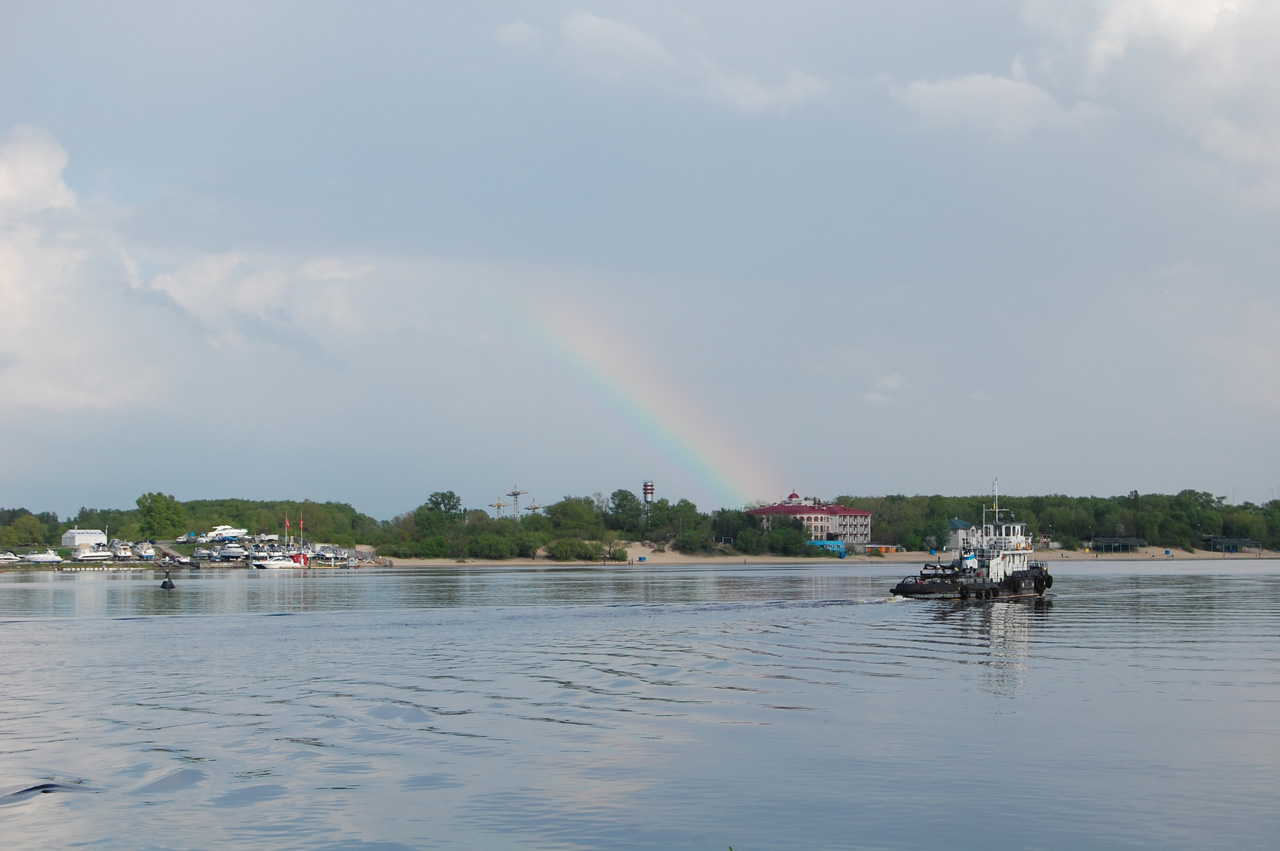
{"x":844,"y":509}
{"x":783,"y":508}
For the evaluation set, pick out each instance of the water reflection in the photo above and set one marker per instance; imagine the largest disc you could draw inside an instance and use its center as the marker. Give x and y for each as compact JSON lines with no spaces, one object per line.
{"x":1000,"y":633}
{"x":226,"y":591}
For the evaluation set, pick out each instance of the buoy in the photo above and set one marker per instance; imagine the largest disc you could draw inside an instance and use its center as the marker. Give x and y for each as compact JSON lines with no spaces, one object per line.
{"x":168,"y":583}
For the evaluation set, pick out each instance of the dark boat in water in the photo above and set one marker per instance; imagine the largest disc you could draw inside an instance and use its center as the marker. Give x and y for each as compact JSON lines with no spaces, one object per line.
{"x":991,"y":561}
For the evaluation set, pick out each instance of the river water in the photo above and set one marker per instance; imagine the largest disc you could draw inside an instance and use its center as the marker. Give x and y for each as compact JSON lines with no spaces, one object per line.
{"x":661,"y":707}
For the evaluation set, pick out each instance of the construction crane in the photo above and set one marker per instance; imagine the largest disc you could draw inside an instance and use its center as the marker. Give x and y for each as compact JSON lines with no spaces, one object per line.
{"x":515,"y":495}
{"x":533,"y":506}
{"x":498,"y":505}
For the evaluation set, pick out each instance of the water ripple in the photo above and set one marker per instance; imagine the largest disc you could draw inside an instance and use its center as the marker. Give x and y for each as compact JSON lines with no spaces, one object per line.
{"x":698,"y":708}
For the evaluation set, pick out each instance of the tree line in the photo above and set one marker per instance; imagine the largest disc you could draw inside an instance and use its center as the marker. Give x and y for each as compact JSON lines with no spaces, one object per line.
{"x":589,"y":528}
{"x":592,"y":528}
{"x":1181,"y":521}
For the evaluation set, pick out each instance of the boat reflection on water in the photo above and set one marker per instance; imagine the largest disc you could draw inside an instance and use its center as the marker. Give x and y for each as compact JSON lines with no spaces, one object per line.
{"x":1000,"y":634}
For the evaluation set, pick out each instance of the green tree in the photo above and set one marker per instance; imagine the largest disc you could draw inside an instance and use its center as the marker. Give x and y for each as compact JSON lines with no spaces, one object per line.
{"x":576,"y":517}
{"x":445,"y":501}
{"x":626,"y":513}
{"x":27,"y":530}
{"x":162,"y":516}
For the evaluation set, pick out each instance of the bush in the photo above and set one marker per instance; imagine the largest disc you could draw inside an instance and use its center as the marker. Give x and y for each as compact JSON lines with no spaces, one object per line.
{"x":565,"y":549}
{"x":787,"y":542}
{"x":618,"y":554}
{"x":433,"y":547}
{"x":689,"y":542}
{"x":491,"y":547}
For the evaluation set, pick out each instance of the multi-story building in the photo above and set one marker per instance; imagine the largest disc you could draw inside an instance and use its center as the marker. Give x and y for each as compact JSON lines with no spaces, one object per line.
{"x":822,"y":522}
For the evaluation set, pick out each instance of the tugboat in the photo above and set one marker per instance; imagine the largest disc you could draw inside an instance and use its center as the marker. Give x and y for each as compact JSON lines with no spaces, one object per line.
{"x":991,"y":562}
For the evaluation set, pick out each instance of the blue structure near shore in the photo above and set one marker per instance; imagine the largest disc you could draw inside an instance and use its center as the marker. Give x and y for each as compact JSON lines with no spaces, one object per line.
{"x":834,"y":546}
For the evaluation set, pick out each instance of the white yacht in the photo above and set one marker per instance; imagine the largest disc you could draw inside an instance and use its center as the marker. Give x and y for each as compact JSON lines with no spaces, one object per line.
{"x":46,"y":557}
{"x":276,"y":563}
{"x":98,"y":552}
{"x":8,"y":558}
{"x":222,"y":533}
{"x":121,"y":550}
{"x":144,"y":551}
{"x":232,"y":552}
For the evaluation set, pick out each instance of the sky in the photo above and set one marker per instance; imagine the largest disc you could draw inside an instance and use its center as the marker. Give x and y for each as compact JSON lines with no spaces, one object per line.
{"x":362,"y":252}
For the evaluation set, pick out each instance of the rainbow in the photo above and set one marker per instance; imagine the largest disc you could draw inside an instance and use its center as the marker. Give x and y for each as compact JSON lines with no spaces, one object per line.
{"x":647,"y":407}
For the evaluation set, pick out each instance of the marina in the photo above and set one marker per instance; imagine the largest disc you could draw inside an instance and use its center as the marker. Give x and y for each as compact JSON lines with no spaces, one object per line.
{"x":91,"y":550}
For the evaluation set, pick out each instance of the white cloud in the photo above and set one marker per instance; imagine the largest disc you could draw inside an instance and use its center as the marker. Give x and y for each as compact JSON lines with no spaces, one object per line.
{"x":1179,"y":24}
{"x":613,"y":49}
{"x":620,"y":52}
{"x":31,"y":164}
{"x":1002,"y":107}
{"x":1203,"y":69}
{"x":891,"y":382}
{"x":85,"y":330}
{"x":51,"y":340}
{"x":747,"y":94}
{"x":332,"y":269}
{"x":238,"y":299}
{"x":519,"y":35}
{"x":886,"y":389}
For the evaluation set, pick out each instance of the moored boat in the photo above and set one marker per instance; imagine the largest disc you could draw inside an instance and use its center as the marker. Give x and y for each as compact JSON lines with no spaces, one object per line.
{"x":46,"y":557}
{"x":231,"y":552}
{"x":97,"y":552}
{"x":276,"y":563}
{"x":989,"y":562}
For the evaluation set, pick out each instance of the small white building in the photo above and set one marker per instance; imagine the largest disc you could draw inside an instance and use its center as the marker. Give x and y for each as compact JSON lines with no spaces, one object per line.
{"x":964,"y":536}
{"x":83,"y":539}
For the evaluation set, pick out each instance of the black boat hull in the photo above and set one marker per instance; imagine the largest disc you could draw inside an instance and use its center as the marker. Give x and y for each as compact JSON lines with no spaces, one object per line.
{"x":972,"y":587}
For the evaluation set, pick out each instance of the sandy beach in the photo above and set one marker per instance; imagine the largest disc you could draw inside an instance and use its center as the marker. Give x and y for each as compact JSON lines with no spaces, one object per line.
{"x":637,"y":551}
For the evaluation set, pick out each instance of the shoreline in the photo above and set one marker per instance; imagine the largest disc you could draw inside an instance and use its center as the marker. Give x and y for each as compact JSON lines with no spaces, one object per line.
{"x":671,"y":558}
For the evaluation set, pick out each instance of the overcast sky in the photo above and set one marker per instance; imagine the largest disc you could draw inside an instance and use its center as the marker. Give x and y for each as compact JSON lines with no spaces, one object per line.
{"x":366,"y":251}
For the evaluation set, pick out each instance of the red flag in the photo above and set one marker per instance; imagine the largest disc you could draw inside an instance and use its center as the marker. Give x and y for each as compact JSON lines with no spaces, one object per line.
{"x":299,"y":522}
{"x":286,"y":522}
